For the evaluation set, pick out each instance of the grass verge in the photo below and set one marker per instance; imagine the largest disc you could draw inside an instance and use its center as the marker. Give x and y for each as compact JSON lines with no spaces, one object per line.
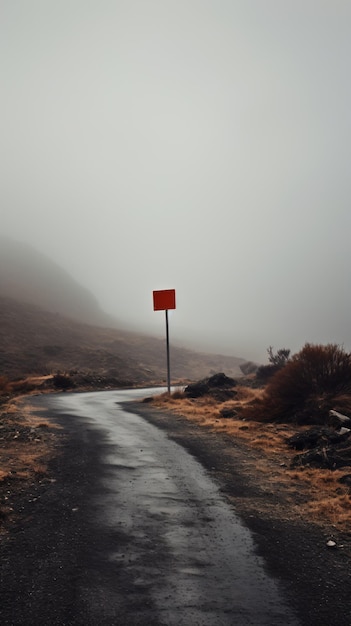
{"x":26,"y":444}
{"x":314,"y":494}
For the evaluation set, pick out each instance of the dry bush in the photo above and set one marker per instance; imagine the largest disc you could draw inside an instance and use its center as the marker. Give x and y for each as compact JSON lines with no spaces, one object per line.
{"x":276,"y":362}
{"x":63,"y":381}
{"x":314,"y":381}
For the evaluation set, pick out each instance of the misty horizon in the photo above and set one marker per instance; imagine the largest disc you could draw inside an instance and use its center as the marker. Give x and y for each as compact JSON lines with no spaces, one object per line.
{"x":195,"y":146}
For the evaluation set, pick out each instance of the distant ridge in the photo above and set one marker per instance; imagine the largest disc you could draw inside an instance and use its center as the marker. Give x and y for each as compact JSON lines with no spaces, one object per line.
{"x":28,"y":276}
{"x":34,"y":341}
{"x":48,"y":322}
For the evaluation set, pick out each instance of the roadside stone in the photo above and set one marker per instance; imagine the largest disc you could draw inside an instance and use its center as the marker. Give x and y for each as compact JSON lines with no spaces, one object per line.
{"x":227,"y":413}
{"x":207,"y":385}
{"x":336,"y":419}
{"x":222,"y":395}
{"x":316,"y":436}
{"x":329,"y":457}
{"x":345,"y":480}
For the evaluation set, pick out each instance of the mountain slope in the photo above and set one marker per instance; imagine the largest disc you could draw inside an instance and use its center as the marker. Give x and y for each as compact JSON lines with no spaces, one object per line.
{"x":28,"y":276}
{"x":48,"y":322}
{"x":36,"y":341}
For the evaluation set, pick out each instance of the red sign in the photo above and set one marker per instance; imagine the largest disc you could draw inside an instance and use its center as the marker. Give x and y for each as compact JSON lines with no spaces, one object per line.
{"x":164,"y":300}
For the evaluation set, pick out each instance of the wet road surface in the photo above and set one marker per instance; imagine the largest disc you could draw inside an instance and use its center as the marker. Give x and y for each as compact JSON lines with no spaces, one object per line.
{"x":176,"y":553}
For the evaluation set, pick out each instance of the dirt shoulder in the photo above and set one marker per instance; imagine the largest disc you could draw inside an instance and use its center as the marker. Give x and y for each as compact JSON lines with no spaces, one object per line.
{"x":295,"y":549}
{"x":28,"y":443}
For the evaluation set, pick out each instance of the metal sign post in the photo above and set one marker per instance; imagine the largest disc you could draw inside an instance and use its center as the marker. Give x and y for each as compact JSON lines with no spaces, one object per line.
{"x":168,"y":360}
{"x":163,"y":301}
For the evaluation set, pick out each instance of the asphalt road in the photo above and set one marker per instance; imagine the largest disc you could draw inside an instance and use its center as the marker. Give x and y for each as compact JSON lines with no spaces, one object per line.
{"x":134,"y":532}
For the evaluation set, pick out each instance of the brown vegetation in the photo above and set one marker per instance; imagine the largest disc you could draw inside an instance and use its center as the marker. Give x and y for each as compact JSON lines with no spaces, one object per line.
{"x":313,"y":382}
{"x":26,"y":444}
{"x":302,"y":392}
{"x":316,"y":494}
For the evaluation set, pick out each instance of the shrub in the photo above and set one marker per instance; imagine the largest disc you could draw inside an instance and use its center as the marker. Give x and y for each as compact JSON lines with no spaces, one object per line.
{"x":62,"y":381}
{"x":265,"y":372}
{"x":248,"y":368}
{"x":280,"y":358}
{"x":276,"y":362}
{"x":307,"y":387}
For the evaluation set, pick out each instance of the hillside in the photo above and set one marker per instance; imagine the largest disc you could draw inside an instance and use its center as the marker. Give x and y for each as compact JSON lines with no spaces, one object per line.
{"x":49,"y":323}
{"x":36,"y":341}
{"x":28,"y":276}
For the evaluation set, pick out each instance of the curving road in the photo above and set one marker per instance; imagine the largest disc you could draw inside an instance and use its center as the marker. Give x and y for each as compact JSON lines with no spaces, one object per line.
{"x":136,"y":533}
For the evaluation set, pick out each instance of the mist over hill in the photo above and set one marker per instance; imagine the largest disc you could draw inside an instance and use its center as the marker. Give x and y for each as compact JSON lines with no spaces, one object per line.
{"x":34,"y":341}
{"x":26,"y":275}
{"x":49,"y":323}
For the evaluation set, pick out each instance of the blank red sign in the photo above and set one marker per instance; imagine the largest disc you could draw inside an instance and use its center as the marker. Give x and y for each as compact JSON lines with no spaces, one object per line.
{"x":164,"y":299}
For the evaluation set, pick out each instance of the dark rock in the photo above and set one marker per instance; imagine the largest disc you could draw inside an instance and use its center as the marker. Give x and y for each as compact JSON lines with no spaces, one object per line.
{"x":204,"y":386}
{"x":345,"y":480}
{"x":313,"y":458}
{"x":196,"y":390}
{"x":227,"y":413}
{"x":222,"y":395}
{"x":338,"y":419}
{"x":221,"y":380}
{"x":62,"y":381}
{"x":316,"y":436}
{"x":330,"y":457}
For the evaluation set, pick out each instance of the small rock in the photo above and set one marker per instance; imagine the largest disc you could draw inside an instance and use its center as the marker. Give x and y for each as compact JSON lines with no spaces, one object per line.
{"x":227,"y":413}
{"x":331,"y":544}
{"x":345,"y":480}
{"x":211,"y":384}
{"x":339,"y":417}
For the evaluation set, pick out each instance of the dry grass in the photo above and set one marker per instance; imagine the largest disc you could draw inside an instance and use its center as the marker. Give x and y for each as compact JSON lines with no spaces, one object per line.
{"x":314,"y":494}
{"x":26,"y":444}
{"x":328,"y":498}
{"x":206,"y":412}
{"x":16,"y":389}
{"x":26,"y":416}
{"x":23,"y":459}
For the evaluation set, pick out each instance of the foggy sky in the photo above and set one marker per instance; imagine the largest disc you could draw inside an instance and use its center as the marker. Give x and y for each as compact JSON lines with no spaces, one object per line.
{"x":201,"y":145}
